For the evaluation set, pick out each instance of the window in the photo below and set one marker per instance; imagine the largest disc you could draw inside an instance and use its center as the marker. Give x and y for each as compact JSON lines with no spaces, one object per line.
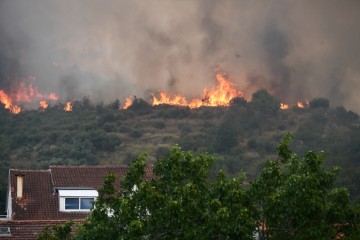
{"x":79,"y":203}
{"x":77,"y":200}
{"x":86,"y":203}
{"x":5,"y":231}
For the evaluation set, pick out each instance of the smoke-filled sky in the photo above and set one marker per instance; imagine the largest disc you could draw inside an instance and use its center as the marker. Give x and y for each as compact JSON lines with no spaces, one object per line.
{"x":118,"y":48}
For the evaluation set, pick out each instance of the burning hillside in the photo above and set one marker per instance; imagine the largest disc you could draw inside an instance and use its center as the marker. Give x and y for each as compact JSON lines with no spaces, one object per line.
{"x":219,"y":95}
{"x":216,"y":96}
{"x":25,"y":92}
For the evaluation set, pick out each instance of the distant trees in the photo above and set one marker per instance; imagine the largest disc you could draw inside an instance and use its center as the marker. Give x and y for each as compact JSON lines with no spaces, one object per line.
{"x":226,"y":137}
{"x":319,"y":103}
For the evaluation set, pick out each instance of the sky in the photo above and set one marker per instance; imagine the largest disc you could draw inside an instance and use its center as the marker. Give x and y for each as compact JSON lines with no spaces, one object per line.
{"x":297,"y":50}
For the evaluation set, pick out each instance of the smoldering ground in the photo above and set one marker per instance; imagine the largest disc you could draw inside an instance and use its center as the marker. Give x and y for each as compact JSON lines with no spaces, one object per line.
{"x":112,"y":49}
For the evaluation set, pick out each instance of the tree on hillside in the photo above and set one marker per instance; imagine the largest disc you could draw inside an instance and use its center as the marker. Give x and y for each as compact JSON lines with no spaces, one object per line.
{"x":296,"y":198}
{"x":319,"y":103}
{"x":264,"y":102}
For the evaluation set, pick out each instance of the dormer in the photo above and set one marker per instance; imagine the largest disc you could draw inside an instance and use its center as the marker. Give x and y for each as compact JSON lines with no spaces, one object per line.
{"x":76,"y":200}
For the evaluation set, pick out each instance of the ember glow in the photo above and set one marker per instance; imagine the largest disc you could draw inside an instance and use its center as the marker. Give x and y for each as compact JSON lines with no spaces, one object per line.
{"x":68,"y":107}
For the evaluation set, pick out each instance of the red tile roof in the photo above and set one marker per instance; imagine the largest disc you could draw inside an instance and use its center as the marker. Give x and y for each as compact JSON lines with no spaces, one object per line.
{"x":83,"y":176}
{"x":40,"y":200}
{"x":26,"y":230}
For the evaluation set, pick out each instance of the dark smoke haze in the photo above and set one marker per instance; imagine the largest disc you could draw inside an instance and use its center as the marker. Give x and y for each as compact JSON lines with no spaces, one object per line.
{"x":114,"y":49}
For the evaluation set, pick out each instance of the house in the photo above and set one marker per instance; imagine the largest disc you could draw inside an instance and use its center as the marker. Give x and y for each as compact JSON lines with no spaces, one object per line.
{"x":40,"y":198}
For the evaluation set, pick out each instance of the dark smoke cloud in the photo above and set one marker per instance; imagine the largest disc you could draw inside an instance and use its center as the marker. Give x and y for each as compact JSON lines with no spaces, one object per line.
{"x":114,"y":49}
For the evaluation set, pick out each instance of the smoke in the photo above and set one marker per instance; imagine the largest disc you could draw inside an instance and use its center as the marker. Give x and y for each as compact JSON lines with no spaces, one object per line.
{"x":114,"y":49}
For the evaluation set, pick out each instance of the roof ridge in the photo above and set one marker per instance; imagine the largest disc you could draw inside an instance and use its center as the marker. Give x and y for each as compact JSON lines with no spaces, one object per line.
{"x":29,"y":170}
{"x":89,"y":166}
{"x":41,"y":220}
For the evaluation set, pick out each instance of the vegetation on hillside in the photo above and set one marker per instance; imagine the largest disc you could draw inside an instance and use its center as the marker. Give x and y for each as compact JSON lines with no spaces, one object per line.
{"x":241,"y":136}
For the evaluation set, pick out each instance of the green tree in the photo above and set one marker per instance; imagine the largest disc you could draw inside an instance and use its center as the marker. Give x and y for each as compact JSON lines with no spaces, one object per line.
{"x":57,"y":232}
{"x":319,"y":103}
{"x":226,"y":136}
{"x":296,"y":198}
{"x":264,"y":102}
{"x":179,"y":202}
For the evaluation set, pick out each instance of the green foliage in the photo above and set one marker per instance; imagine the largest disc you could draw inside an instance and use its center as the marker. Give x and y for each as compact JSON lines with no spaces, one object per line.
{"x":180,"y":202}
{"x":344,"y":117}
{"x":265,"y":103}
{"x":169,"y":111}
{"x":140,"y":105}
{"x":319,"y":103}
{"x":115,"y":105}
{"x":135,"y":134}
{"x":293,"y":198}
{"x":57,"y":232}
{"x":296,"y":197}
{"x":103,"y":141}
{"x":226,"y":137}
{"x":161,"y":152}
{"x":238,"y":101}
{"x":95,"y":133}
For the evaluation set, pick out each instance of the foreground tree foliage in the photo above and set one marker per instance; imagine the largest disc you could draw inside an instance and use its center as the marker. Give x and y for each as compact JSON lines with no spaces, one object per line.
{"x":293,"y":198}
{"x":181,"y":202}
{"x":296,"y":199}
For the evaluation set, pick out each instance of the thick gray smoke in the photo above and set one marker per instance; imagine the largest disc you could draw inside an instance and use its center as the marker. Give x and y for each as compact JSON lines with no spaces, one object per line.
{"x":114,"y":49}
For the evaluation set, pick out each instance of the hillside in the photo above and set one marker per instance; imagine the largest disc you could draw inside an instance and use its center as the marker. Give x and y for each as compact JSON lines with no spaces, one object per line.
{"x":241,"y":136}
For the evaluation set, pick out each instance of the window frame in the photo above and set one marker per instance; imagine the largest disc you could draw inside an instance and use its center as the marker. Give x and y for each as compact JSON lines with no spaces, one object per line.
{"x":76,"y":194}
{"x":79,"y":204}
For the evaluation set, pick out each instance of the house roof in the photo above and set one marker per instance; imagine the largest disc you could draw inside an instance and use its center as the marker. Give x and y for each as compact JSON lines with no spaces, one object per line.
{"x":40,"y":200}
{"x":27,"y":230}
{"x":83,"y":176}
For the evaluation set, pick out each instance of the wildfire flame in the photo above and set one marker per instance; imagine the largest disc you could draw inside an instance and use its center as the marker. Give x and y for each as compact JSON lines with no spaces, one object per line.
{"x":220,"y":95}
{"x":25,"y":92}
{"x":216,"y":96}
{"x":6,"y":100}
{"x":284,"y":106}
{"x":128,"y":103}
{"x":44,"y":104}
{"x":300,"y":104}
{"x":68,"y":107}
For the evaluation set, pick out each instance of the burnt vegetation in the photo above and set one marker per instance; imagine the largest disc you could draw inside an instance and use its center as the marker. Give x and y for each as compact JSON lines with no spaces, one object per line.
{"x":242,"y":136}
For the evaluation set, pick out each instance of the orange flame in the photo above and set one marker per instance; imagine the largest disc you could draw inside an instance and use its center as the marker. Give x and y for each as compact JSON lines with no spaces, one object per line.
{"x":284,"y":106}
{"x":68,"y":107}
{"x":128,"y":103}
{"x":216,"y":96}
{"x":27,"y":93}
{"x":300,"y":104}
{"x":6,"y":100}
{"x":166,"y":99}
{"x":44,"y":104}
